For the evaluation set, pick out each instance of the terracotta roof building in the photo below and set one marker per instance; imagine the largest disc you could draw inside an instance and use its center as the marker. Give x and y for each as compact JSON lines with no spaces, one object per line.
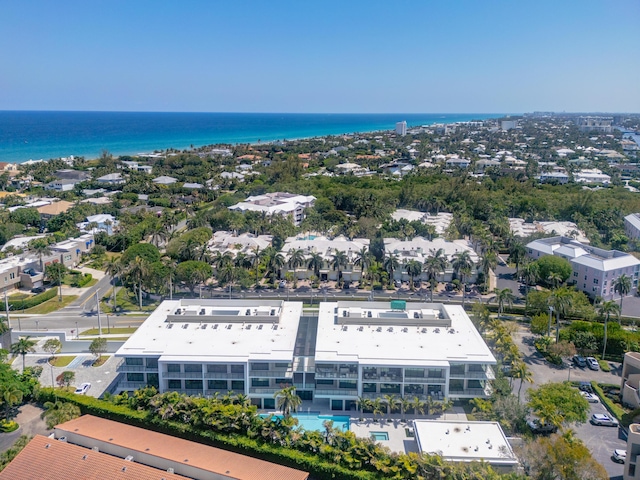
{"x":55,"y":208}
{"x":49,"y":459}
{"x":162,"y":451}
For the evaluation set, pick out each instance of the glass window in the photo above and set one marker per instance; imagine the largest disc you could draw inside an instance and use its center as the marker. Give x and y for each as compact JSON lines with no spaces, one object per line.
{"x":282,"y":365}
{"x":193,"y":368}
{"x":259,"y":366}
{"x":152,"y":363}
{"x":369,"y":387}
{"x":348,"y":385}
{"x":474,"y":384}
{"x":193,"y":384}
{"x":152,"y":379}
{"x":414,"y":372}
{"x":175,"y":384}
{"x":259,"y":382}
{"x":435,"y":373}
{"x":324,"y":382}
{"x":457,"y":369}
{"x":135,"y":377}
{"x":456,"y":385}
{"x":269,"y":403}
{"x":389,"y":388}
{"x":133,"y":361}
{"x":237,"y":385}
{"x":413,"y":389}
{"x":216,"y":368}
{"x":173,"y":367}
{"x":284,"y":382}
{"x":336,"y":405}
{"x":237,"y":369}
{"x":217,"y":384}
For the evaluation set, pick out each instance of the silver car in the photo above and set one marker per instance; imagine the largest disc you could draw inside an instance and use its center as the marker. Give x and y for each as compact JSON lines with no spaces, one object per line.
{"x":603,"y":420}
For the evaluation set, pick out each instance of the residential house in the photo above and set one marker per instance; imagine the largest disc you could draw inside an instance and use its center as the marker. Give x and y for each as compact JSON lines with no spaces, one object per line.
{"x":54,"y":209}
{"x":164,"y":180}
{"x":111,"y":179}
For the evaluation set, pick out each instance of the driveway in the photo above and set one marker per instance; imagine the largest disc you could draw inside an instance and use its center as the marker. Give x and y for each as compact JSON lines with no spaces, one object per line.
{"x":30,"y":424}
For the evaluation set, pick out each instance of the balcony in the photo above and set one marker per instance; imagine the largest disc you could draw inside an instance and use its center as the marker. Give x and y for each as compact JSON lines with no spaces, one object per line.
{"x":191,"y":392}
{"x":135,"y":368}
{"x":271,"y":373}
{"x":264,"y":390}
{"x":168,"y":375}
{"x":225,"y":376}
{"x":471,"y":392}
{"x":337,"y":392}
{"x":482,"y":375}
{"x":132,"y":385}
{"x":330,"y":375}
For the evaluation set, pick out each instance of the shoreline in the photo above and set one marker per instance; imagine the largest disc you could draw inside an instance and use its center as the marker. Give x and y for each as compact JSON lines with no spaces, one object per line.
{"x":120,"y":145}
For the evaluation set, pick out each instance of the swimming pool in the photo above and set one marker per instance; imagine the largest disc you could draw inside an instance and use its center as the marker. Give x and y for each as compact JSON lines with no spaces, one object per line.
{"x":313,"y":421}
{"x":380,"y":436}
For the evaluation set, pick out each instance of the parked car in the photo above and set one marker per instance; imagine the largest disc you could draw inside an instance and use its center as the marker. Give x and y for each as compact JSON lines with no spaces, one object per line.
{"x":38,"y":289}
{"x":282,"y":284}
{"x":541,"y":428}
{"x":585,"y":387}
{"x":579,"y":361}
{"x":397,"y":283}
{"x":590,"y":397}
{"x":603,"y":419}
{"x":592,"y":363}
{"x":82,"y":389}
{"x":619,"y":456}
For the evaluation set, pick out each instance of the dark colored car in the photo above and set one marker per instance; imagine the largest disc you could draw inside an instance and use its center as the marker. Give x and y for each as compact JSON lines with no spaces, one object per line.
{"x":541,"y":428}
{"x":579,"y":361}
{"x":585,"y":387}
{"x":38,"y":289}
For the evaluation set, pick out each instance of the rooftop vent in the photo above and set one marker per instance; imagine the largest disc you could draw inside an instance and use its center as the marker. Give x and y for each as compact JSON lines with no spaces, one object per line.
{"x":95,"y":449}
{"x":170,"y":470}
{"x":62,"y":439}
{"x":84,"y":457}
{"x":128,"y":458}
{"x":47,"y":445}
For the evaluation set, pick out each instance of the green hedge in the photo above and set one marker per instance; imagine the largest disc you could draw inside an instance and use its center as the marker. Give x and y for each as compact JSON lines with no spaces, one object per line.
{"x":317,"y":467}
{"x":29,"y":302}
{"x":8,"y":426}
{"x":81,"y":280}
{"x":614,"y":409}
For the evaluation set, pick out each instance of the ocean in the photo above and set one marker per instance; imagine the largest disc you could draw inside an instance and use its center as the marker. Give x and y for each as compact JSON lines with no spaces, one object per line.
{"x":32,"y":135}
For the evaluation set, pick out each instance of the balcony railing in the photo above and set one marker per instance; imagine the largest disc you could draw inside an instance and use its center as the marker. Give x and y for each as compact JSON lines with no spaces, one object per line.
{"x":338,"y":392}
{"x":475,"y":392}
{"x":482,"y":375}
{"x":231,"y":376}
{"x":320,"y":374}
{"x":135,"y":368}
{"x":132,"y":385}
{"x":263,"y":390}
{"x":271,"y":373}
{"x":197,"y":375}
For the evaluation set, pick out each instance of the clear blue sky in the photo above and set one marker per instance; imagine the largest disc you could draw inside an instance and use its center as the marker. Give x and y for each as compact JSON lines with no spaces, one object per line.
{"x":320,"y":56}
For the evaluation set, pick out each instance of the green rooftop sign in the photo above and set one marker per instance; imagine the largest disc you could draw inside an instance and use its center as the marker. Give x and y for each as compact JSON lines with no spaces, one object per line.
{"x":398,"y":304}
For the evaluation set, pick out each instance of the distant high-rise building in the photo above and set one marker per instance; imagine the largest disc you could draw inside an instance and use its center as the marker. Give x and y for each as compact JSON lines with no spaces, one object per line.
{"x":508,"y":124}
{"x":401,"y":128}
{"x":595,"y":124}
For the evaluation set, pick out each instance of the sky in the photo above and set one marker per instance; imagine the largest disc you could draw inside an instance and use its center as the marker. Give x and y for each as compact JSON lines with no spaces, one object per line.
{"x":348,"y":56}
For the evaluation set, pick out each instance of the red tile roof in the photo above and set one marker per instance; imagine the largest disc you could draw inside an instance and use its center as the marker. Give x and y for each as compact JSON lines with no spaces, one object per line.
{"x":141,"y":443}
{"x":49,"y":459}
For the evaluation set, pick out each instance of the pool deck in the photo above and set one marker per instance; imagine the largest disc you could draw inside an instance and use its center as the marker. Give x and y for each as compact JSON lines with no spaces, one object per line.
{"x":394,"y":425}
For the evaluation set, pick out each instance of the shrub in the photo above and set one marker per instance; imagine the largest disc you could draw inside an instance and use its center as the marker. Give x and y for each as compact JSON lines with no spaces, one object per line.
{"x":29,"y":302}
{"x":615,"y":410}
{"x":81,"y":280}
{"x":7,"y":426}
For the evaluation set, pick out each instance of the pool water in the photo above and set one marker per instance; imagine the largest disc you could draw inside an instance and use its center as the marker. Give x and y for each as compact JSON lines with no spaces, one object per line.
{"x":313,"y":421}
{"x":380,"y":435}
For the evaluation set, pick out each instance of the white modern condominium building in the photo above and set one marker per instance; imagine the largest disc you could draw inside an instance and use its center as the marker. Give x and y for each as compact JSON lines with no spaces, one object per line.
{"x":278,"y":203}
{"x":351,"y":350}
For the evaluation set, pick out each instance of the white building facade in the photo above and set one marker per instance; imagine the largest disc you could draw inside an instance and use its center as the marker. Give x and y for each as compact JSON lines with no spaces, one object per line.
{"x":279,"y":203}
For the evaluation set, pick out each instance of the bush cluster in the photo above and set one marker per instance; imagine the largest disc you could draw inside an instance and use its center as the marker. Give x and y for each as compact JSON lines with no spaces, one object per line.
{"x":29,"y":302}
{"x":80,"y":281}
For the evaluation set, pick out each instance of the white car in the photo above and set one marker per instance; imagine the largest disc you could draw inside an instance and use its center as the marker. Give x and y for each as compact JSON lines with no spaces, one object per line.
{"x":592,"y":363}
{"x":82,"y":389}
{"x":619,"y":456}
{"x":603,"y":419}
{"x":590,"y":397}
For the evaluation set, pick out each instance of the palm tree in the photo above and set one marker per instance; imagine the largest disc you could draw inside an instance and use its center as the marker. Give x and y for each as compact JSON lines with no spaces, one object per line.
{"x":391,"y":400}
{"x":531,"y":273}
{"x":363,"y":259}
{"x":622,"y":286}
{"x":414,"y":269}
{"x":113,"y":268}
{"x":486,"y":263}
{"x":606,"y":309}
{"x":554,"y":279}
{"x":517,"y":253}
{"x":138,"y":271}
{"x":520,"y":371}
{"x":56,"y":413}
{"x":296,"y":259}
{"x":503,"y":295}
{"x":416,"y":405}
{"x":287,"y":400}
{"x":339,"y":260}
{"x":561,"y":300}
{"x":462,"y":266}
{"x":315,"y":263}
{"x":435,"y":264}
{"x":391,"y":264}
{"x":10,"y":396}
{"x":41,"y":248}
{"x":23,"y":346}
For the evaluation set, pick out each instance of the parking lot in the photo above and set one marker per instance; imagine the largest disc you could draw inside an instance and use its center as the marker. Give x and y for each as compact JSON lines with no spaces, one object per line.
{"x":602,"y":441}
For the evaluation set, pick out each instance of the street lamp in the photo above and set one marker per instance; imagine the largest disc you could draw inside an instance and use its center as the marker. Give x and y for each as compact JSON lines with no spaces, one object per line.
{"x":98,"y":307}
{"x":569,"y":375}
{"x":549,"y":326}
{"x":77,"y":332}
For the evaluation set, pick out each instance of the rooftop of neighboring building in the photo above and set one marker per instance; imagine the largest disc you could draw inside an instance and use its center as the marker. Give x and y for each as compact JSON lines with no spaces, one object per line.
{"x":464,"y":441}
{"x":177,"y":451}
{"x":55,"y":208}
{"x":421,"y":334}
{"x":49,"y":459}
{"x":420,"y":246}
{"x":210,"y":330}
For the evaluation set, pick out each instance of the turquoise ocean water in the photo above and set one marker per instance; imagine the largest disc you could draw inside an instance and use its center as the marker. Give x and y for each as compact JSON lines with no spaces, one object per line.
{"x":26,"y":135}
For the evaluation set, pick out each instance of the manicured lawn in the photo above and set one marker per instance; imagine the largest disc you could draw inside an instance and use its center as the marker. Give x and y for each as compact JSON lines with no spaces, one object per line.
{"x":61,"y":361}
{"x":100,"y":361}
{"x":52,"y":305}
{"x":119,"y":330}
{"x":126,"y":301}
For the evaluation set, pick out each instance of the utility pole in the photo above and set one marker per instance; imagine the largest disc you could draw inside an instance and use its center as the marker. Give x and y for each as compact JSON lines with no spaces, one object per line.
{"x":6,"y":309}
{"x":98,"y":307}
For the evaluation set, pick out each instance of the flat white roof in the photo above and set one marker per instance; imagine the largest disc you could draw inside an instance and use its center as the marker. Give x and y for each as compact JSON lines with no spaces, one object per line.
{"x":424,"y":334}
{"x":176,"y":331}
{"x":462,"y":441}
